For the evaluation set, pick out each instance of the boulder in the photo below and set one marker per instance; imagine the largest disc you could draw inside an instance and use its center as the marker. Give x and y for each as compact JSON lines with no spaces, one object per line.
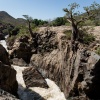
{"x":19,"y":62}
{"x":7,"y":73}
{"x":33,"y":78}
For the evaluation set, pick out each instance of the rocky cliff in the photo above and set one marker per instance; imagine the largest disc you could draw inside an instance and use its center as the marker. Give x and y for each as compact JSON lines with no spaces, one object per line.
{"x":75,"y":70}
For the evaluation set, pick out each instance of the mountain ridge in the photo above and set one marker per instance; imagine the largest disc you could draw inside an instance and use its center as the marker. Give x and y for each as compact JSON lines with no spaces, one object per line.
{"x":7,"y":18}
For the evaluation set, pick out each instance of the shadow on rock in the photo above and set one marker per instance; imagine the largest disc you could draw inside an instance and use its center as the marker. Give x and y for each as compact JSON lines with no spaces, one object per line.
{"x":94,"y":89}
{"x":28,"y":94}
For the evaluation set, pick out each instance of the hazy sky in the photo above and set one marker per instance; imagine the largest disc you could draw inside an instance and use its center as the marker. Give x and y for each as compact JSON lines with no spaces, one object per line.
{"x":41,"y":9}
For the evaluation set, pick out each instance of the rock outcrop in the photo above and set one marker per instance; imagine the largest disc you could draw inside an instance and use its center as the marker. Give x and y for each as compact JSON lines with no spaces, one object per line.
{"x":7,"y":73}
{"x":20,"y":51}
{"x":69,"y":68}
{"x":33,"y":78}
{"x":72,"y":68}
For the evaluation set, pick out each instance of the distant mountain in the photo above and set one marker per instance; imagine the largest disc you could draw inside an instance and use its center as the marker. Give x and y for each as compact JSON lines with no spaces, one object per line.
{"x":6,"y":18}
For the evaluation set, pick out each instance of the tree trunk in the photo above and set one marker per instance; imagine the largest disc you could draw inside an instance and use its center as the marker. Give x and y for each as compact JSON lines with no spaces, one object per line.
{"x":30,"y":30}
{"x":74,"y":37}
{"x":74,"y":32}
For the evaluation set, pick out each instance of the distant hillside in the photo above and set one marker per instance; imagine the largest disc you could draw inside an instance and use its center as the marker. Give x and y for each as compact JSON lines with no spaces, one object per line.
{"x":6,"y":18}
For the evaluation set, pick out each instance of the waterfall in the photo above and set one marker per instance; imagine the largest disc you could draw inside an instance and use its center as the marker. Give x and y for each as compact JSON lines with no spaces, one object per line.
{"x":3,"y":43}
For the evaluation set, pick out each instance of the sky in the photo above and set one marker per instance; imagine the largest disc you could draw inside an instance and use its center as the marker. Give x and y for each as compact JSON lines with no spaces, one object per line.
{"x":40,"y":9}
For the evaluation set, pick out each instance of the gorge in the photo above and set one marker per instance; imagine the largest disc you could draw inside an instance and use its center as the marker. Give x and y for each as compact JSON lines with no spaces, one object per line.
{"x":47,"y":68}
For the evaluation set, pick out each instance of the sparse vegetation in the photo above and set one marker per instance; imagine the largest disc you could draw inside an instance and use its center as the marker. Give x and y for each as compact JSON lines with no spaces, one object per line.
{"x":75,"y":18}
{"x":88,"y":38}
{"x":68,"y":34}
{"x":24,"y":31}
{"x":98,"y":51}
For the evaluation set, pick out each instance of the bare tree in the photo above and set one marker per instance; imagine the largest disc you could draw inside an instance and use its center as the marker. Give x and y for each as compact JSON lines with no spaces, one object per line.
{"x":75,"y":17}
{"x":29,"y":20}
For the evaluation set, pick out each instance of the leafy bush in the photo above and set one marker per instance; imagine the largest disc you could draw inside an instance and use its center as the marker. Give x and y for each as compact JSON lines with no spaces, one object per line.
{"x":23,"y":31}
{"x":5,"y":31}
{"x":14,"y":31}
{"x":84,"y":36}
{"x":98,"y":51}
{"x":68,"y":34}
{"x":11,"y":40}
{"x":89,"y":23}
{"x":88,"y":38}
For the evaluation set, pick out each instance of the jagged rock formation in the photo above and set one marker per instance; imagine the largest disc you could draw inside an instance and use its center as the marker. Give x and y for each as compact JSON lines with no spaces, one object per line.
{"x":7,"y":73}
{"x":54,"y":57}
{"x":20,"y":51}
{"x":66,"y":66}
{"x":33,"y":78}
{"x":84,"y":83}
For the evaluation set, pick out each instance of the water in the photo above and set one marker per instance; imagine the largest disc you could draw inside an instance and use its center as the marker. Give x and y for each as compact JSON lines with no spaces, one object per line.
{"x":3,"y":42}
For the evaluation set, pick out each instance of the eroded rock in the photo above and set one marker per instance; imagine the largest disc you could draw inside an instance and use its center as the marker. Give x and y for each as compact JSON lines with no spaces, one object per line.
{"x":33,"y":78}
{"x":54,"y":58}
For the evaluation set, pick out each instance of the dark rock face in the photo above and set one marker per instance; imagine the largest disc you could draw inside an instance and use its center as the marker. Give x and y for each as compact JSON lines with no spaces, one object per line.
{"x":33,"y":78}
{"x":7,"y":73}
{"x":47,"y":42}
{"x":8,"y":78}
{"x":20,"y":52}
{"x":87,"y":81}
{"x":94,"y":88}
{"x":2,"y":37}
{"x":6,"y":96}
{"x":23,"y":48}
{"x":4,"y":55}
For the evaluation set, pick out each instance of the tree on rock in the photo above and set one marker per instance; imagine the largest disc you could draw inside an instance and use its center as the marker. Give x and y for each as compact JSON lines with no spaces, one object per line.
{"x":29,"y":20}
{"x":75,"y":18}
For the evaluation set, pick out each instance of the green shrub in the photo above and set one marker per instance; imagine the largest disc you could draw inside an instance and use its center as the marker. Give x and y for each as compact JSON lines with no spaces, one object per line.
{"x":88,"y":38}
{"x":98,"y":51}
{"x":68,"y":34}
{"x":5,"y":31}
{"x":89,"y":23}
{"x":25,"y":31}
{"x":11,"y":40}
